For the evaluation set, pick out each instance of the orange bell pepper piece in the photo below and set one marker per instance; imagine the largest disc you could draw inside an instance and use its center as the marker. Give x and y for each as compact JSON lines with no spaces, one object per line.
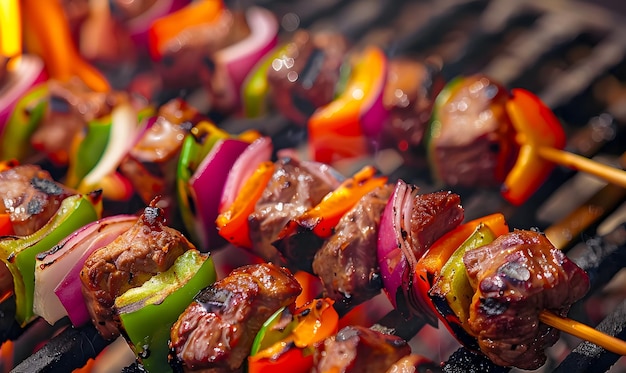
{"x":47,"y":33}
{"x":335,"y":130}
{"x":537,"y":127}
{"x":232,"y":224}
{"x":323,"y":218}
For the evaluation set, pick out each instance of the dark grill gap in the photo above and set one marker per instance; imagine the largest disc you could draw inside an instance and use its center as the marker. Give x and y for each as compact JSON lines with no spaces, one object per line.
{"x":573,"y":54}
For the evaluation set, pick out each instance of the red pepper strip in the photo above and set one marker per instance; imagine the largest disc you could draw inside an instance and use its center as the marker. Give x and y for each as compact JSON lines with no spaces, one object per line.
{"x":51,"y":38}
{"x":537,"y":127}
{"x":428,"y":266}
{"x":335,"y":130}
{"x":318,"y":321}
{"x":323,"y":218}
{"x":167,"y":28}
{"x":232,"y":224}
{"x":6,"y":227}
{"x":11,"y":28}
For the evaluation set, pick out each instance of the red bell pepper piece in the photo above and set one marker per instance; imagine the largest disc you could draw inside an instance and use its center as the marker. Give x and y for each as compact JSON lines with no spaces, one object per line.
{"x":537,"y":127}
{"x":6,"y":228}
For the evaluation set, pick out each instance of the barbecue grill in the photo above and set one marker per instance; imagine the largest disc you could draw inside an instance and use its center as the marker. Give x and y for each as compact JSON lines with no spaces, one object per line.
{"x":572,"y":54}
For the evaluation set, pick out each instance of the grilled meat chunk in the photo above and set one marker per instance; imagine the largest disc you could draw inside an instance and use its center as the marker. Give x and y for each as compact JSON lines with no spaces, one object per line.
{"x":292,"y":190}
{"x":305,"y":76}
{"x":151,"y":163}
{"x":215,"y":333}
{"x":515,"y":277}
{"x":359,"y":349}
{"x":347,"y":263}
{"x":474,"y":144}
{"x":31,"y":197}
{"x":147,"y":248}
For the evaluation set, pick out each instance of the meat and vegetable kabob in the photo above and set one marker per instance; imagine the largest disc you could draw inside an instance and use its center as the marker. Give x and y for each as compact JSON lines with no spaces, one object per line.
{"x":264,"y":246}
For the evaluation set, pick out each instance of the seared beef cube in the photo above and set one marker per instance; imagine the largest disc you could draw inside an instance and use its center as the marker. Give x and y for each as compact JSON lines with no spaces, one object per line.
{"x":151,"y":163}
{"x":347,"y":263}
{"x":475,"y":143}
{"x":72,"y":106}
{"x":147,"y":248}
{"x":215,"y":333}
{"x":291,"y":191}
{"x":359,"y":349}
{"x":305,"y":76}
{"x":516,"y":277}
{"x":31,"y":197}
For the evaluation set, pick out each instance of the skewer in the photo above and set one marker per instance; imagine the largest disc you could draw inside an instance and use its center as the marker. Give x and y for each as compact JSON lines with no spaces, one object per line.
{"x":561,"y":157}
{"x":583,"y":331}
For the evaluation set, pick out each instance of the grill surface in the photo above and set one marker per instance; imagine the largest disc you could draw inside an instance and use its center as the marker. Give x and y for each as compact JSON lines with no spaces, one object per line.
{"x":572,"y":54}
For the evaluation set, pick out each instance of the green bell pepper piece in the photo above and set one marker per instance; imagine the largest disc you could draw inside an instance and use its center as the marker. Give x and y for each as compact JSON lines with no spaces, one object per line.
{"x":256,"y":87}
{"x":18,"y":253}
{"x":453,"y":284}
{"x":23,"y":122}
{"x":85,"y":158}
{"x":197,"y":145}
{"x":148,"y":312}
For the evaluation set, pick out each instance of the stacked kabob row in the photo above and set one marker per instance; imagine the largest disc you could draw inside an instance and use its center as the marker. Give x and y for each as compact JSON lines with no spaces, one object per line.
{"x":297,"y":207}
{"x":200,"y":135}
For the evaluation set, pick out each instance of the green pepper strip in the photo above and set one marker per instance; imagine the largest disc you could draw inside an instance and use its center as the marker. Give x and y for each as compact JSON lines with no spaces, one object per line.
{"x":148,"y":312}
{"x":26,"y":116}
{"x":19,"y":253}
{"x":197,"y":144}
{"x":452,"y":292}
{"x":256,"y":87}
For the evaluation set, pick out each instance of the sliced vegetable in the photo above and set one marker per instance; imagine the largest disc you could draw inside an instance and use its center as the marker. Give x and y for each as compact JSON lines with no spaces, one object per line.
{"x":339,"y":129}
{"x":232,"y":224}
{"x":197,"y":144}
{"x":57,"y":284}
{"x":207,"y":184}
{"x":166,"y":28}
{"x":139,"y":26}
{"x":259,"y":151}
{"x":148,"y":312}
{"x":6,"y":228}
{"x":429,"y":266}
{"x":256,"y":87}
{"x":11,"y":35}
{"x":19,"y":253}
{"x":46,"y":33}
{"x":537,"y":127}
{"x":452,"y":292}
{"x":323,"y":218}
{"x":234,"y":62}
{"x":287,"y":345}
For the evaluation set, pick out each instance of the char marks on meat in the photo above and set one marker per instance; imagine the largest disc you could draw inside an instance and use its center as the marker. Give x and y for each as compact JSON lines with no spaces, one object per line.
{"x":31,"y":197}
{"x":147,"y":248}
{"x":347,"y":263}
{"x":291,"y":191}
{"x":359,"y":349}
{"x":515,"y":277}
{"x":215,"y":333}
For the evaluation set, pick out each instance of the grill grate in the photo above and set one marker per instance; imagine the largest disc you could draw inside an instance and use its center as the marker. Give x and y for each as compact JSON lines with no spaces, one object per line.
{"x":572,"y":54}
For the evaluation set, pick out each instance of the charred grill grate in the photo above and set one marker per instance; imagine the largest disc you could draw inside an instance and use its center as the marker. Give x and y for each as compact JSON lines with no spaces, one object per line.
{"x":572,"y":54}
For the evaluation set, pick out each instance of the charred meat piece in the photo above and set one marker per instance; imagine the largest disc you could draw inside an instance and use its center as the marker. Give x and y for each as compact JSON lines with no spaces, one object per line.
{"x":410,"y":92}
{"x":347,"y":263}
{"x":359,"y":349}
{"x":147,"y":248}
{"x":414,"y":364}
{"x":72,"y":106}
{"x":475,"y":142}
{"x":151,"y":163}
{"x":515,"y":277}
{"x":305,"y":76}
{"x":292,"y":190}
{"x":31,"y":197}
{"x":215,"y":333}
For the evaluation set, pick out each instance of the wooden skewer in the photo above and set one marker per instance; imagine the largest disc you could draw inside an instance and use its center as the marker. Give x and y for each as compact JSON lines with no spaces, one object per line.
{"x":583,"y":331}
{"x":561,"y":157}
